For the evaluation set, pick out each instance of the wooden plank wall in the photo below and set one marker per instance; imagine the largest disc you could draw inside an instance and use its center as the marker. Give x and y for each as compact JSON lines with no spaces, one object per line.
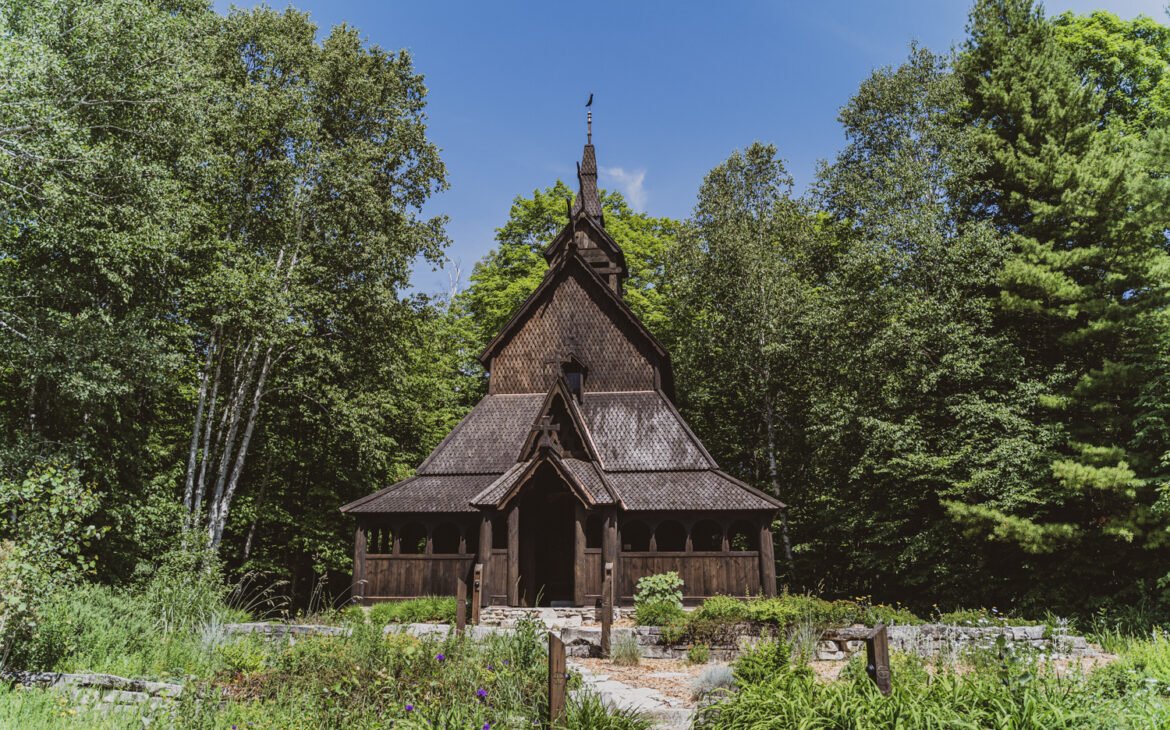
{"x":703,"y":574}
{"x":394,"y":577}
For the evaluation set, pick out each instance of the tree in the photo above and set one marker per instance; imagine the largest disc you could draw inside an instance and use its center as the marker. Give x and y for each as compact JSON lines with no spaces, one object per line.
{"x":1085,"y":280}
{"x":1126,"y":61}
{"x":322,"y":162}
{"x":920,"y":407}
{"x":744,"y":289}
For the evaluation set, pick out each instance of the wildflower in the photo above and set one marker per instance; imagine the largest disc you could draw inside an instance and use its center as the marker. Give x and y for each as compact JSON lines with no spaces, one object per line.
{"x":409,"y":707}
{"x":487,"y":726}
{"x":491,"y":668}
{"x":481,"y":693}
{"x":439,"y":657}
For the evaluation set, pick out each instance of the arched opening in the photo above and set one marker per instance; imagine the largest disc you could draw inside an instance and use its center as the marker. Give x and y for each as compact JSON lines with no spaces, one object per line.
{"x":593,"y":530}
{"x":635,"y":537}
{"x":707,"y":537}
{"x":743,"y":537}
{"x":547,"y":529}
{"x":670,"y":537}
{"x":445,"y":539}
{"x":412,"y":539}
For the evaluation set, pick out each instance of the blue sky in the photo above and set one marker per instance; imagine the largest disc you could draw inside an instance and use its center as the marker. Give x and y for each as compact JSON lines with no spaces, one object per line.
{"x":677,"y":85}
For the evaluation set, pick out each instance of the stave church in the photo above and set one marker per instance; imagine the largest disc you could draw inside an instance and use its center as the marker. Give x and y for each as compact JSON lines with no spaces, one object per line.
{"x":576,"y":458}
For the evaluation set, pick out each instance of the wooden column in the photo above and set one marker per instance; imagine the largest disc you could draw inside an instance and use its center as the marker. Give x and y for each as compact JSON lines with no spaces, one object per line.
{"x":514,"y":555}
{"x":612,"y":548}
{"x":767,"y":560}
{"x":484,"y":557}
{"x":358,"y":591}
{"x":579,"y":556}
{"x":557,"y":679}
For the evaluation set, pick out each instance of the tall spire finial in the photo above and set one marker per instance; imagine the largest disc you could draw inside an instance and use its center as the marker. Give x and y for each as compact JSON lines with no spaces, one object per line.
{"x":589,"y":120}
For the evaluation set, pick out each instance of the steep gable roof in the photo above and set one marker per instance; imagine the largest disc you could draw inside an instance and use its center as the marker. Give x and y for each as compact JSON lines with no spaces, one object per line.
{"x":570,"y":264}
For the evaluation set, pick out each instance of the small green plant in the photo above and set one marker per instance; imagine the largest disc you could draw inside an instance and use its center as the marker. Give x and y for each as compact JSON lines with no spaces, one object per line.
{"x":658,"y":613}
{"x":625,"y":651}
{"x":658,"y":588}
{"x":763,"y":662}
{"x":242,"y":657}
{"x":698,"y":654}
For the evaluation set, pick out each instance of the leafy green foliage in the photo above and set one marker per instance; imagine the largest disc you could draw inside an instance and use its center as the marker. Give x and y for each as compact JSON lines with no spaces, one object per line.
{"x":42,"y":559}
{"x":658,"y":613}
{"x":661,"y":587}
{"x":698,"y":654}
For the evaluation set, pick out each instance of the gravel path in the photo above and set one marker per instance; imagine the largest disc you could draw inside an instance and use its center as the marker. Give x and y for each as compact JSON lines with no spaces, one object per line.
{"x":668,"y":712}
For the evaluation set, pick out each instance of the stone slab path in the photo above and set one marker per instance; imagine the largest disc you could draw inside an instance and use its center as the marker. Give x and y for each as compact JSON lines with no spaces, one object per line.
{"x":667,"y":712}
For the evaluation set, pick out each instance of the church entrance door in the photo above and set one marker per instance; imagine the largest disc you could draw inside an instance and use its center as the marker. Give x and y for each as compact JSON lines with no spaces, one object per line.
{"x":547,"y":529}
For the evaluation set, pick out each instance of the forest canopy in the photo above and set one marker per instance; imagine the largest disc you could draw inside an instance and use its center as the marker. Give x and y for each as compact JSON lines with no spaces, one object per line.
{"x":950,"y":356}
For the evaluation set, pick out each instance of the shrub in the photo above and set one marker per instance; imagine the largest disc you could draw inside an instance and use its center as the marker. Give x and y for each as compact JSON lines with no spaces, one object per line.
{"x":245,"y":656}
{"x":657,"y":588}
{"x":723,"y":608}
{"x":625,"y":650}
{"x":658,"y":613}
{"x":698,"y":654}
{"x":763,"y":662}
{"x":586,"y":711}
{"x":427,"y":609}
{"x":717,"y":677}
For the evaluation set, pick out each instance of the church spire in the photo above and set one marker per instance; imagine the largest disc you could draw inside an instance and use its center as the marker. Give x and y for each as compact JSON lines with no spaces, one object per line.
{"x":588,"y":200}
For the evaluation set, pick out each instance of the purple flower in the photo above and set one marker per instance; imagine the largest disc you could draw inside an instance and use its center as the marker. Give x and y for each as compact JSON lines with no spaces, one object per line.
{"x":487,"y":726}
{"x":481,"y":693}
{"x":409,"y":707}
{"x":491,"y":668}
{"x":440,"y":657}
{"x":505,"y":662}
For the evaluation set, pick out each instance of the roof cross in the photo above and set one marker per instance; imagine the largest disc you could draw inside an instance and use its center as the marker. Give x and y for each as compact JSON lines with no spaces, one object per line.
{"x":547,"y":430}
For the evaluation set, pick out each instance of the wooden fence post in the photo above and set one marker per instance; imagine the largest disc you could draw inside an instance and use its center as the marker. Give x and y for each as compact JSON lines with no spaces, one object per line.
{"x":877,"y":654}
{"x":476,"y":592}
{"x":606,"y":608}
{"x":460,"y":603}
{"x":557,"y":677}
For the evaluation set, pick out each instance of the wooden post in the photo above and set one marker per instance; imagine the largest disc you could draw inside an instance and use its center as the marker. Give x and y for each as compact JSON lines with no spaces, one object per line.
{"x":476,"y":592}
{"x":514,"y":555}
{"x":767,"y":561}
{"x":485,"y":555}
{"x":358,"y":591}
{"x":461,"y":602}
{"x":613,"y":543}
{"x":579,"y":556}
{"x":877,"y":655}
{"x":606,"y":609}
{"x":557,"y":677}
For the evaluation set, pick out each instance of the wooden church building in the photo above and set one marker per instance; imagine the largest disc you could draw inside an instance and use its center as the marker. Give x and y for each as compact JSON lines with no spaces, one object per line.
{"x":575,"y":458}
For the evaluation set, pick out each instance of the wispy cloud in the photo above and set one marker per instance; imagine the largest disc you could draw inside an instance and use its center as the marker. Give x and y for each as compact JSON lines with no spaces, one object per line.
{"x":630,"y":182}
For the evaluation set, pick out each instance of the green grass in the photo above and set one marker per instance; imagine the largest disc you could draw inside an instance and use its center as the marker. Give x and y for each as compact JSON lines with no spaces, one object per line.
{"x":1003,"y":691}
{"x":425,"y":609}
{"x":365,"y":680}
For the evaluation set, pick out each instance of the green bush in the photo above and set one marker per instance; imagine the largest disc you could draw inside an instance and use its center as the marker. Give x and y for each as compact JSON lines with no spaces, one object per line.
{"x":244,"y":656}
{"x":659,"y":588}
{"x":761,"y":663}
{"x":427,"y":609}
{"x":723,"y":608}
{"x":698,"y":654}
{"x":658,"y":613}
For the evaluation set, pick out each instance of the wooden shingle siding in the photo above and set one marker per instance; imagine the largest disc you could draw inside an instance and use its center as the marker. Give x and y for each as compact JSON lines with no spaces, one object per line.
{"x":574,"y":319}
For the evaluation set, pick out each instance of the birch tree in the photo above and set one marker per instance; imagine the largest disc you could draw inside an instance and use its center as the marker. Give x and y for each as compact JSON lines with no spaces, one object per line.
{"x":314,"y":194}
{"x":744,"y":285}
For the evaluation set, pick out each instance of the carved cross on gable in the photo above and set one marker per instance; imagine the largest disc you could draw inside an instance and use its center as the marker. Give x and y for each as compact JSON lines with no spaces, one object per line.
{"x":548,"y":434}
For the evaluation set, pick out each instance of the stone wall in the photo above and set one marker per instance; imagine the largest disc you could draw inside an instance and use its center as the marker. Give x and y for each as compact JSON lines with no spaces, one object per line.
{"x":927,"y":640}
